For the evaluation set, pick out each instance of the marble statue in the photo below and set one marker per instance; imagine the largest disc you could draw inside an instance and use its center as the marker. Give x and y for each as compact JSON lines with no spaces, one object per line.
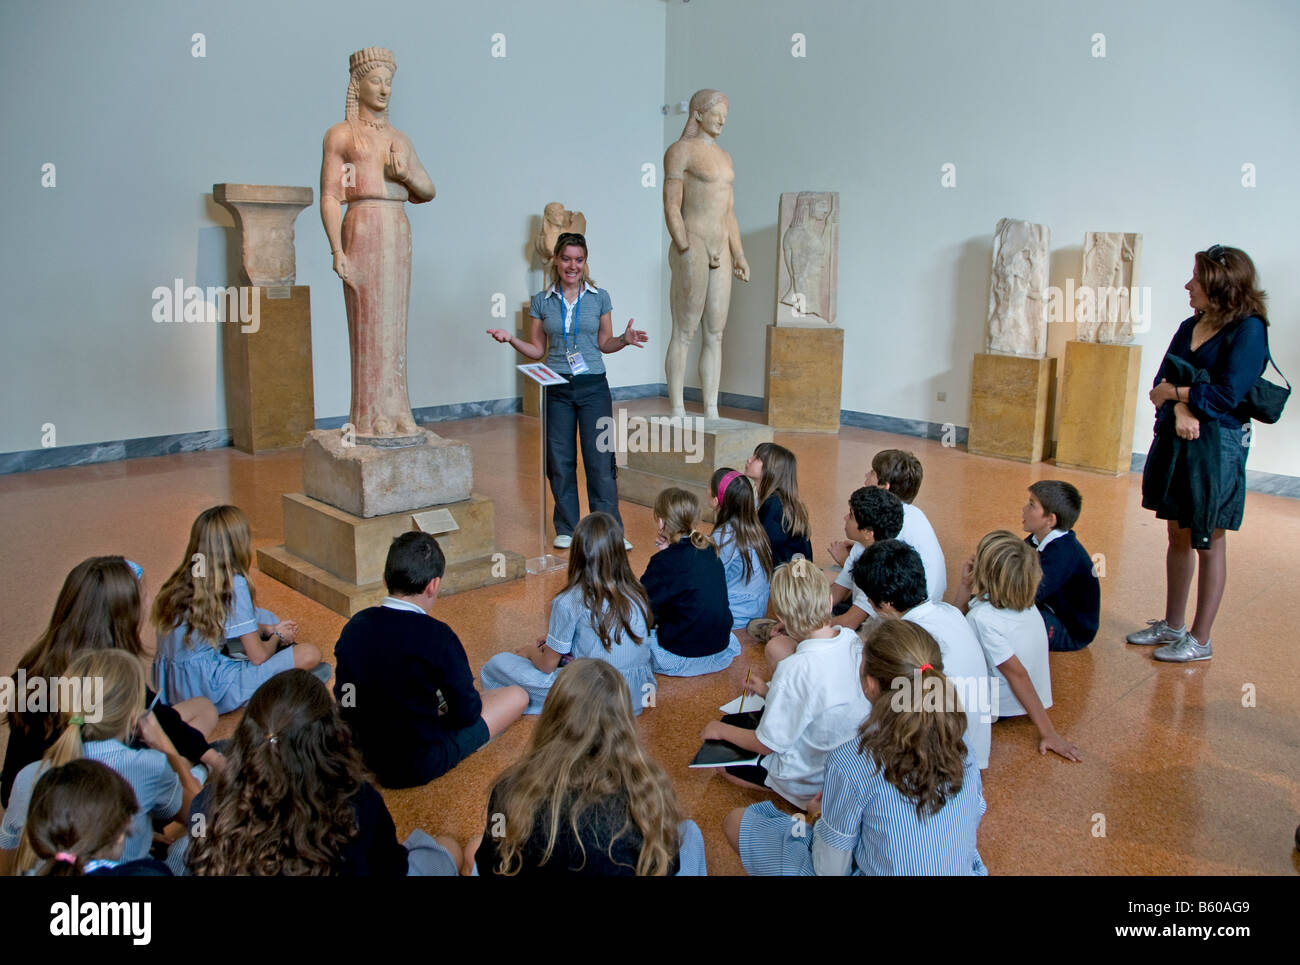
{"x":807,"y":269}
{"x":264,"y":215}
{"x":555,"y":222}
{"x":1018,"y":289}
{"x":371,"y":166}
{"x":1110,"y":267}
{"x":705,"y":250}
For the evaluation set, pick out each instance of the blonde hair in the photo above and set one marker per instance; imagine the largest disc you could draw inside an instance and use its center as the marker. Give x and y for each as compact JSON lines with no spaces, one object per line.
{"x":801,"y":597}
{"x":200,"y":592}
{"x":680,"y":512}
{"x":585,"y":751}
{"x":1007,"y":571}
{"x":121,"y":705}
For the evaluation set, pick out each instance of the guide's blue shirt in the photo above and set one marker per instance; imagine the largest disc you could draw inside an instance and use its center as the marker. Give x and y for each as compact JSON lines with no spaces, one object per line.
{"x":584,"y":335}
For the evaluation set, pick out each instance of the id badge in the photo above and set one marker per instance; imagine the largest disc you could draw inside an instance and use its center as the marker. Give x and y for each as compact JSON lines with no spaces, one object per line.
{"x":577,"y":364}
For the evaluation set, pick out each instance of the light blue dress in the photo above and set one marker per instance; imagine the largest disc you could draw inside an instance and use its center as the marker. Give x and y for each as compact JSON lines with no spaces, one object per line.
{"x":866,"y":816}
{"x":198,"y":669}
{"x":747,"y":598}
{"x":157,"y":790}
{"x":571,"y":632}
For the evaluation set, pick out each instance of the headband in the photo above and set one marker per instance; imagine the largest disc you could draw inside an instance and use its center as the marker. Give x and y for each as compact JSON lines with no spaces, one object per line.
{"x":924,"y":667}
{"x":724,"y":482}
{"x":67,"y":856}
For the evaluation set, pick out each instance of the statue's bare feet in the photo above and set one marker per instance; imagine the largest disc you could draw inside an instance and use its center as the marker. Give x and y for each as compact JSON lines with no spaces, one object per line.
{"x":383,"y":427}
{"x":365,"y":429}
{"x":406,"y":426}
{"x":711,"y":412}
{"x":678,"y":411}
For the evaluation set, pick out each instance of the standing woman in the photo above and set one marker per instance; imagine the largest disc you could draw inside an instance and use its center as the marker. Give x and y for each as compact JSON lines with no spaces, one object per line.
{"x":572,"y":327}
{"x":1214,"y":359}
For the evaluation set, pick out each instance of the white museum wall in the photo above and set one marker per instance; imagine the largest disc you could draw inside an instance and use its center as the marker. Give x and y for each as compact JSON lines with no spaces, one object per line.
{"x":139,"y":130}
{"x":1150,"y":138}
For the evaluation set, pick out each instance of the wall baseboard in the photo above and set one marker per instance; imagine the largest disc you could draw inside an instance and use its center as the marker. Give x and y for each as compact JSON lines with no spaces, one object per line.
{"x":59,"y":457}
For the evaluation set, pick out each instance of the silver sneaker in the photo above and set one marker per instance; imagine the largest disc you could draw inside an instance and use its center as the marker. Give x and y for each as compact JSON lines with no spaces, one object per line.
{"x":1185,"y":650}
{"x":1157,"y":634}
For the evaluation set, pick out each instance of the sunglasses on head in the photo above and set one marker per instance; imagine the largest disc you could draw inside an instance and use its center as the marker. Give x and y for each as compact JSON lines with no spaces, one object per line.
{"x":1217,"y":253}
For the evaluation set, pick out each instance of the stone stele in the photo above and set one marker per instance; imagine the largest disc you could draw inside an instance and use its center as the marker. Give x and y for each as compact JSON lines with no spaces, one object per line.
{"x":1110,"y":273}
{"x":808,"y":224}
{"x":1018,"y":289}
{"x":264,"y":215}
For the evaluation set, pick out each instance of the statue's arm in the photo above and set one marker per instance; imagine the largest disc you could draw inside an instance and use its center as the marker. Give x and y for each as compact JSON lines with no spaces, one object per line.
{"x":674,"y":170}
{"x":417,"y":179}
{"x":741,"y":266}
{"x":332,"y":193}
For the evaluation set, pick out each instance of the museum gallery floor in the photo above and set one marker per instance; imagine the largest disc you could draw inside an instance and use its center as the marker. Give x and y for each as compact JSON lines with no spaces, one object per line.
{"x":1188,"y":769}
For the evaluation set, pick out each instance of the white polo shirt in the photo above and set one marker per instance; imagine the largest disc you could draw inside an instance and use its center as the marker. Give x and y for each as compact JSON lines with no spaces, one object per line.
{"x":814,"y":704}
{"x":845,"y":579}
{"x":919,"y":534}
{"x":964,"y":664}
{"x":1004,"y":634}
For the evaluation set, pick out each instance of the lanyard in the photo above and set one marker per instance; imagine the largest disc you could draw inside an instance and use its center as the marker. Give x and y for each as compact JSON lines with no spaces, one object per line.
{"x":564,"y":308}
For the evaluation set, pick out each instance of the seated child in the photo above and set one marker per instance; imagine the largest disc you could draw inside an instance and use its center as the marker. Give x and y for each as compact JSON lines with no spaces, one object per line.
{"x":601,"y":613}
{"x":775,"y":475}
{"x":1069,"y":596}
{"x":586,"y":798}
{"x":903,"y":796}
{"x":397,"y":663}
{"x":208,"y":601}
{"x":743,"y":547}
{"x":78,"y":821}
{"x":687,"y":587}
{"x":900,"y":473}
{"x":874,"y":514}
{"x":1000,"y":584}
{"x":814,"y":702}
{"x":99,"y":608}
{"x":891,"y":575}
{"x":159,"y":777}
{"x":295,"y":799}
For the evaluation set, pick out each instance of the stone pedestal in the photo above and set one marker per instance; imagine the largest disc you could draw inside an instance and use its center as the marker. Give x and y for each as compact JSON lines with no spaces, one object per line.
{"x":663,"y":451}
{"x":529,"y":391}
{"x":1011,"y":406}
{"x":801,"y":390}
{"x":264,"y":215}
{"x":375,"y":481}
{"x":337,"y":559}
{"x":267,"y":362}
{"x":1099,"y":396}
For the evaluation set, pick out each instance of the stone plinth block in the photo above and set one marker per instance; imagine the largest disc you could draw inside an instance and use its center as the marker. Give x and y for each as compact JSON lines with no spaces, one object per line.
{"x":682,"y":451}
{"x":1099,"y":398}
{"x":269,"y":397}
{"x":1011,"y":406}
{"x":337,"y":558}
{"x":373,"y":481}
{"x":264,"y":215}
{"x":802,"y":388}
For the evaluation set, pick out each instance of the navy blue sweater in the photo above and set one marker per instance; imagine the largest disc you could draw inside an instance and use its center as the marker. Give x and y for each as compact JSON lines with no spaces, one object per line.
{"x":687,"y":587}
{"x":396,"y":662}
{"x":784,"y":546}
{"x":1070,"y":589}
{"x":1234,"y":357}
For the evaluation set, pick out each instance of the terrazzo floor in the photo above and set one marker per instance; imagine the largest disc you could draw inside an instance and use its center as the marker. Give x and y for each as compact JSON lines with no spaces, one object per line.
{"x":1187,"y":769}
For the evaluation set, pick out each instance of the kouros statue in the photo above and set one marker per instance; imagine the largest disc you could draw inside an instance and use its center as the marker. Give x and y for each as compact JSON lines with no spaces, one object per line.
{"x":371,"y":167}
{"x":705,"y":249}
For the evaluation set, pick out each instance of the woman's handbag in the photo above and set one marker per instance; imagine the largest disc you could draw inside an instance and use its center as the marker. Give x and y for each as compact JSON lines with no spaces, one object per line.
{"x":1265,"y":401}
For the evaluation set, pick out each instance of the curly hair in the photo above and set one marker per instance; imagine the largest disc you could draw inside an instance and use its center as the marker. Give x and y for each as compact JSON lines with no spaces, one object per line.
{"x":585,"y":752}
{"x":283,"y":803}
{"x":200,"y":591}
{"x":920,"y":751}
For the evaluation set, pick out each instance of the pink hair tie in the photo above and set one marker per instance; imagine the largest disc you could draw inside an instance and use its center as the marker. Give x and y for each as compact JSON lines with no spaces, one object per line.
{"x":66,"y":856}
{"x":724,"y":482}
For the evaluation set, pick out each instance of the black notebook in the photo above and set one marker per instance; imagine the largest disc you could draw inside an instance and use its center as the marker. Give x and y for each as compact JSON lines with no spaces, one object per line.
{"x":723,"y":754}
